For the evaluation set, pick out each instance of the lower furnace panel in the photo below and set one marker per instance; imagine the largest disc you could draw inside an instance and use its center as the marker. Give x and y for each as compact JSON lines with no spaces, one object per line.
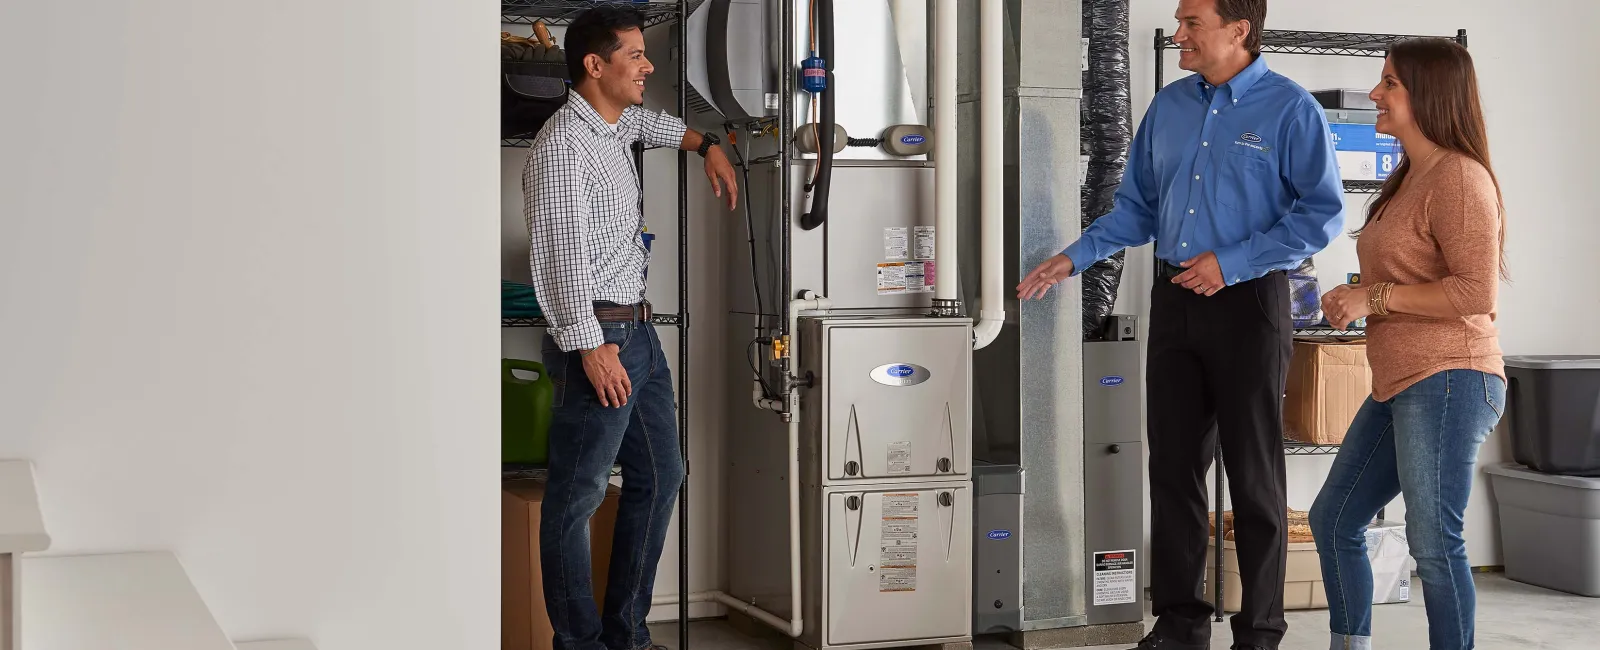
{"x":892,"y":567}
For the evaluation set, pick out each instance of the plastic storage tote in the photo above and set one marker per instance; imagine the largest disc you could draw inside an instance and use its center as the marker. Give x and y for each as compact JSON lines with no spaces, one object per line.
{"x":525,"y":410}
{"x":1555,"y":413}
{"x":1549,"y":528}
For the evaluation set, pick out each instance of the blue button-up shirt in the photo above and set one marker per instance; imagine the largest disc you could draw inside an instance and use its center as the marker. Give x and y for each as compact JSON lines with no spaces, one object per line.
{"x":1245,"y":170}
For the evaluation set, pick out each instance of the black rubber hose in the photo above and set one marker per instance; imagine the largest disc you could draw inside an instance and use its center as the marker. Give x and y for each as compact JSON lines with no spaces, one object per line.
{"x":819,"y":199}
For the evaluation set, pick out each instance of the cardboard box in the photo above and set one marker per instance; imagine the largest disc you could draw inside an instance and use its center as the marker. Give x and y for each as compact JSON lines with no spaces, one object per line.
{"x":1302,"y":581}
{"x":1328,"y":383}
{"x":1303,"y":588}
{"x":524,"y":623}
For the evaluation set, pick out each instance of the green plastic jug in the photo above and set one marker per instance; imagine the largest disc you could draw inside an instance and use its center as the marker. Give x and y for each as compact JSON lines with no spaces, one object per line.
{"x":525,"y":410}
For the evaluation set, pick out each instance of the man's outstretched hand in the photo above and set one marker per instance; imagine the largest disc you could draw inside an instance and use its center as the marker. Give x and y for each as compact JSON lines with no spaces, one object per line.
{"x":1044,"y":276}
{"x":720,"y":172}
{"x":1203,"y":277}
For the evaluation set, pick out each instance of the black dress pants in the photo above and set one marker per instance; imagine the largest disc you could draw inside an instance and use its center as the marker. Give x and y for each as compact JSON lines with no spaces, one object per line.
{"x":1217,"y":366}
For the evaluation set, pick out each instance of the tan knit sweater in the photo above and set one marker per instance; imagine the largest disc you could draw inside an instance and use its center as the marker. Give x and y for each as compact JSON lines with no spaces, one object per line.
{"x":1444,"y":228}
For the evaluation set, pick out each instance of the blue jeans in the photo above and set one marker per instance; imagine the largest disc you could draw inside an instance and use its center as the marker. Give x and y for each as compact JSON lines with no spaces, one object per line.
{"x":1422,"y":444}
{"x":586,"y":439}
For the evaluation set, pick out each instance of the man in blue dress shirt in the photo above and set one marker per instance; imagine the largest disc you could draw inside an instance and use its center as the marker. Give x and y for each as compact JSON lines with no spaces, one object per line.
{"x":1233,"y":175}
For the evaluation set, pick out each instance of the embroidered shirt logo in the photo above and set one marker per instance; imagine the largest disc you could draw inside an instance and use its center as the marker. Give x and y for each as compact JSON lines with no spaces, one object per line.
{"x":1253,"y":141}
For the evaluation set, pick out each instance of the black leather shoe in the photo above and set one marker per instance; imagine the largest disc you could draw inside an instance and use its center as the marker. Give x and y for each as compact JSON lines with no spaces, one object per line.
{"x":1153,"y":642}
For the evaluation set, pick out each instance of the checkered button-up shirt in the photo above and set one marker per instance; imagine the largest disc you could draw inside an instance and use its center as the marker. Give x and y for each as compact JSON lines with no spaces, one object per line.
{"x":581,"y":200}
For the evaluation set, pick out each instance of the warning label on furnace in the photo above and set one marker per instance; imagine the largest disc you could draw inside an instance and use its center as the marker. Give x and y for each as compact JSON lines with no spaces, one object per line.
{"x":897,"y":555}
{"x":900,"y":457}
{"x":1115,"y":580}
{"x":905,"y":277}
{"x":924,"y":242}
{"x":895,"y":243}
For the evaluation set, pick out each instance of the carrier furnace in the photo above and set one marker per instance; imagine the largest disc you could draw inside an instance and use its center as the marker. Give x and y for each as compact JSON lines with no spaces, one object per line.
{"x":920,"y":459}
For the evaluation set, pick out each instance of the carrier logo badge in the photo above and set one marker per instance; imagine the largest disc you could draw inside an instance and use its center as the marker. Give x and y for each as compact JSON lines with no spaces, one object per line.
{"x":900,"y":374}
{"x":1111,"y":381}
{"x":998,"y":535}
{"x":1250,"y":137}
{"x":913,"y":139}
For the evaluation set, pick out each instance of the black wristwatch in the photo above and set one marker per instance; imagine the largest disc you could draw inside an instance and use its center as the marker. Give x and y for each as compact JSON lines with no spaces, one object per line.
{"x":707,"y":141}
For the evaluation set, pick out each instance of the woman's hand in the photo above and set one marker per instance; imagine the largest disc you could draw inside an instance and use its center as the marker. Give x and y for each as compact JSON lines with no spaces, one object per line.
{"x":1345,"y":304}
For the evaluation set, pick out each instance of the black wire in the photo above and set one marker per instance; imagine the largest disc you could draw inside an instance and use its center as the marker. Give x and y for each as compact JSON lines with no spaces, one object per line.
{"x":864,"y":142}
{"x":751,"y":353}
{"x":750,"y":233}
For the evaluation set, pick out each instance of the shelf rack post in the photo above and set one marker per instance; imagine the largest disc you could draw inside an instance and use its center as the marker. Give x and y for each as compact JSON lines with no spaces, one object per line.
{"x":683,"y":329}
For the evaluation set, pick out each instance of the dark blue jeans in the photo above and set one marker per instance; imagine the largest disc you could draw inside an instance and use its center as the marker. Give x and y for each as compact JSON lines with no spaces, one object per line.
{"x":586,"y":439}
{"x":1423,"y":444}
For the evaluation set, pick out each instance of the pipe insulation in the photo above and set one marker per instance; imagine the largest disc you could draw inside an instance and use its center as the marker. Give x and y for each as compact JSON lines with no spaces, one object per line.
{"x":1107,"y":118}
{"x":992,"y":150}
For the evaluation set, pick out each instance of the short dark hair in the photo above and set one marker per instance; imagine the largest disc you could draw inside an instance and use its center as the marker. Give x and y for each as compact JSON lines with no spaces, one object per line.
{"x":595,"y":32}
{"x":1254,"y":11}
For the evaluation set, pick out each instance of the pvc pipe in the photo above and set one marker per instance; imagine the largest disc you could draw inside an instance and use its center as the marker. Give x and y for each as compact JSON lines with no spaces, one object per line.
{"x":793,"y":627}
{"x":748,"y":609}
{"x":991,"y":134}
{"x":944,"y":151}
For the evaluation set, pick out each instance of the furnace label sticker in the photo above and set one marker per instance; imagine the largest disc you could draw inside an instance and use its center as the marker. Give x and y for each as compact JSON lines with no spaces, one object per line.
{"x":897,"y":555}
{"x":894,"y":243}
{"x":1115,"y":579}
{"x":899,"y":459}
{"x":924,"y":241}
{"x":891,"y":278}
{"x":895,"y":278}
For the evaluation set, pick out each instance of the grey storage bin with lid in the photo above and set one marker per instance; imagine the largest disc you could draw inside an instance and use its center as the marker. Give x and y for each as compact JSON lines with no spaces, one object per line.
{"x":1549,"y":528}
{"x":1555,"y":413}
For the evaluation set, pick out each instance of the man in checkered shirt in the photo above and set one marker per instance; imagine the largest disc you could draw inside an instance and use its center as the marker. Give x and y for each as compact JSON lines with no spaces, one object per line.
{"x":614,"y":400}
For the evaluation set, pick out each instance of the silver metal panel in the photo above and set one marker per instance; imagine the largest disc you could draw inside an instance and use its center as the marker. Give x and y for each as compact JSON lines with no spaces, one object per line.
{"x":899,"y":564}
{"x":756,"y":490}
{"x":874,"y":91}
{"x":896,"y":398}
{"x":1051,"y":333}
{"x":997,"y":548}
{"x":1114,"y":524}
{"x":1050,"y":330}
{"x":841,"y":259}
{"x":1112,"y":385}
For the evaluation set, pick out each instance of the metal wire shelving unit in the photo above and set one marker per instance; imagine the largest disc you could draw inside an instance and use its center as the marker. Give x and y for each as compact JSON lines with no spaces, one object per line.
{"x":557,"y":13}
{"x":1317,"y":44}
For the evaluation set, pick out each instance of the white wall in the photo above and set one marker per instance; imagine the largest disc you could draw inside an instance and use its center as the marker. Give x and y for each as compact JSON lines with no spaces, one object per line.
{"x":247,"y":287}
{"x":708,"y":304}
{"x":1535,"y":67}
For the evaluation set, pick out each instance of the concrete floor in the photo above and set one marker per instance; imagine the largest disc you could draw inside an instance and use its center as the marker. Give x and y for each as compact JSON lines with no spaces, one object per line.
{"x":1511,"y":616}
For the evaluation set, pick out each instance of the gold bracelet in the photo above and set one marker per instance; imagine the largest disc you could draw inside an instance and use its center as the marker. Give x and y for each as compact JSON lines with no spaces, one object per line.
{"x":1378,"y":298}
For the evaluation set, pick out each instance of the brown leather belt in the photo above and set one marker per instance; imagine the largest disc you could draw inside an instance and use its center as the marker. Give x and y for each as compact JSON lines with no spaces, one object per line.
{"x":613,"y":313}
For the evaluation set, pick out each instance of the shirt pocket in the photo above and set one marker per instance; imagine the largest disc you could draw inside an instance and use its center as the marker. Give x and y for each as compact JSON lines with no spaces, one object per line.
{"x":1245,"y":181}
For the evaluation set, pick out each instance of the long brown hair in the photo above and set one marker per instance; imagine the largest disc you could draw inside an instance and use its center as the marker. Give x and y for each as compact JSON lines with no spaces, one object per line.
{"x":1443,"y":86}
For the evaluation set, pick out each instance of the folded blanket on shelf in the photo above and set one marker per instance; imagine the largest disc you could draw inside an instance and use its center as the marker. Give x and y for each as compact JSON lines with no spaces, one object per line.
{"x":517,"y":300}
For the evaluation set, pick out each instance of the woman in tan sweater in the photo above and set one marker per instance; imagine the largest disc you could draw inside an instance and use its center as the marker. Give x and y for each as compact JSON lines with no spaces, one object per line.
{"x":1431,"y":250}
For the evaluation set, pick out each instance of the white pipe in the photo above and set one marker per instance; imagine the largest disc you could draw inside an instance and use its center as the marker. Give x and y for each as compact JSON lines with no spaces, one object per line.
{"x":745,"y":608}
{"x":944,"y":151}
{"x":991,"y":134}
{"x":793,"y":627}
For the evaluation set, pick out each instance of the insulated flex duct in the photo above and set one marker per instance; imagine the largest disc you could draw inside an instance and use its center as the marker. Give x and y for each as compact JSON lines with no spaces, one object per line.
{"x":1107,"y":116}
